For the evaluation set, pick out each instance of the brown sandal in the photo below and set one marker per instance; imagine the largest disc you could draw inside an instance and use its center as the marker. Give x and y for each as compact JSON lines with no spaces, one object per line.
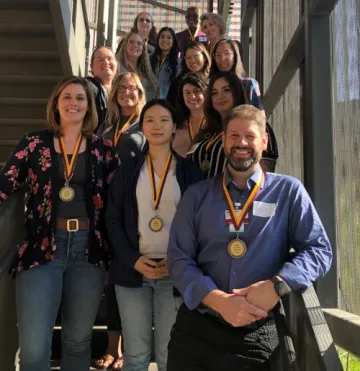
{"x":117,"y":365}
{"x":105,"y":362}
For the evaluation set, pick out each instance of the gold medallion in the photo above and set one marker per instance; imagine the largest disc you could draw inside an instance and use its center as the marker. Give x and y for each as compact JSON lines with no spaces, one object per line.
{"x":66,"y":194}
{"x":205,"y":166}
{"x":237,"y":248}
{"x":156,"y":224}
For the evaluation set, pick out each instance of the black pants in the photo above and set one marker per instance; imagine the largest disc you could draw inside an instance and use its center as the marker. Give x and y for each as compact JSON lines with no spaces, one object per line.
{"x":112,"y":310}
{"x":202,"y":343}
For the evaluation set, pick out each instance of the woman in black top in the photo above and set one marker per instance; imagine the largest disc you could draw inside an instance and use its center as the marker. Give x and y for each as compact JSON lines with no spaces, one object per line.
{"x":66,"y":171}
{"x":142,"y":202}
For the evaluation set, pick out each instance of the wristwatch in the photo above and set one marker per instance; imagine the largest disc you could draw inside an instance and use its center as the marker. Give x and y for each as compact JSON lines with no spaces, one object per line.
{"x":280,"y":286}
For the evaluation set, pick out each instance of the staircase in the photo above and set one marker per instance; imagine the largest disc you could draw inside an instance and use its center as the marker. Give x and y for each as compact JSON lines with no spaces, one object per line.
{"x":30,"y":66}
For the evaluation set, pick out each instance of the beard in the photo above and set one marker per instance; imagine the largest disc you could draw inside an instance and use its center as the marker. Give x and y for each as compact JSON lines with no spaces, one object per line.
{"x":241,"y":164}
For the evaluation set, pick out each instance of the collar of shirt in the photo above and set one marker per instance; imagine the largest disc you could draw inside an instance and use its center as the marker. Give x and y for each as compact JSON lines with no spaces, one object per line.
{"x":250,"y":182}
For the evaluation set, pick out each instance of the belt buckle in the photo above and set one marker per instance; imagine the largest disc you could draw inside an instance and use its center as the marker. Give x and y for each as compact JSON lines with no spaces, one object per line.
{"x":68,"y":227}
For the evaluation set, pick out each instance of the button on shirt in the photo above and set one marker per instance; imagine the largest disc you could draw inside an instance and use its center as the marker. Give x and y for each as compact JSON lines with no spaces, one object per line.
{"x":281,"y":217}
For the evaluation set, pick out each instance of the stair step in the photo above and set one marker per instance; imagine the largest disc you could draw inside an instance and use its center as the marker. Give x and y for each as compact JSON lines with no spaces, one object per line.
{"x":22,"y":86}
{"x":6,"y":146}
{"x":26,"y":29}
{"x":23,"y":108}
{"x":14,"y":129}
{"x":30,"y":63}
{"x":23,"y":15}
{"x":24,"y":4}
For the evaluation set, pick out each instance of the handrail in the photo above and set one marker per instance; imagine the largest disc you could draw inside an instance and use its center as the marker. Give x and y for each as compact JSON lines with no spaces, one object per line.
{"x":87,"y":40}
{"x":308,"y":343}
{"x":11,"y":226}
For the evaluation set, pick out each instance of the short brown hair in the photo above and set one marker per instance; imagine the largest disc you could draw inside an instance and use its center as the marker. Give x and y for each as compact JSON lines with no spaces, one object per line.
{"x":246,"y":112}
{"x":113,"y":113}
{"x":52,"y":113}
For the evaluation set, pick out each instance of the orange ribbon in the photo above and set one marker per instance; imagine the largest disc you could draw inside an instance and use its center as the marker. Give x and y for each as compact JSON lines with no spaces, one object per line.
{"x":156,"y":194}
{"x":237,"y":220}
{"x":191,"y":133}
{"x":69,"y":166}
{"x":118,"y":133}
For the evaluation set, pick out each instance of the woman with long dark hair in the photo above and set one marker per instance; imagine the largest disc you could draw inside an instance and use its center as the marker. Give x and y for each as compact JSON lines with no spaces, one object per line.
{"x":195,"y":59}
{"x":142,"y":202}
{"x":164,"y":61}
{"x":190,"y":111}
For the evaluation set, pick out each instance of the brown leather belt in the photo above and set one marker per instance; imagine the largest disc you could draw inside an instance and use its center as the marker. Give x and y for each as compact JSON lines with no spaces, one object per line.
{"x":72,"y":225}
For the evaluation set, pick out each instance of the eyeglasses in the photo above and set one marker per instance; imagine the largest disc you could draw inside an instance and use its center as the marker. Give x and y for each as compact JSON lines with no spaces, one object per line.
{"x":123,"y":88}
{"x":147,"y":20}
{"x":224,"y":54}
{"x":194,"y":56}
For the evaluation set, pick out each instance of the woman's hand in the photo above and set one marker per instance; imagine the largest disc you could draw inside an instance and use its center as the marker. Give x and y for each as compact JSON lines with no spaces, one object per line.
{"x":148,"y":268}
{"x":162,"y":264}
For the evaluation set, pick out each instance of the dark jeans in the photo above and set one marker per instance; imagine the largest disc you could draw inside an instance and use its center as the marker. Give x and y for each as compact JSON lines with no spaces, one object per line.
{"x":68,"y":279}
{"x":202,"y":343}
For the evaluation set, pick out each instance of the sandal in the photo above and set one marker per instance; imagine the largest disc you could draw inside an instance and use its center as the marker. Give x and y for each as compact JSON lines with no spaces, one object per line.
{"x":117,"y":365}
{"x":105,"y":362}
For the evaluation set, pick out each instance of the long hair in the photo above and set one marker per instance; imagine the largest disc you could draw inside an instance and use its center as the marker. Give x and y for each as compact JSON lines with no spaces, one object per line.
{"x":143,"y":65}
{"x":182,"y":111}
{"x":202,"y":49}
{"x":213,"y":117}
{"x":157,"y":102}
{"x":113,"y":114}
{"x":90,"y":121}
{"x":172,"y":57}
{"x":237,"y":68}
{"x":152,"y":33}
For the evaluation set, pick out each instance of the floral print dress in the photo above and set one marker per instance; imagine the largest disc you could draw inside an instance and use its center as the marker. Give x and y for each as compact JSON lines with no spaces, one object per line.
{"x":34,"y":163}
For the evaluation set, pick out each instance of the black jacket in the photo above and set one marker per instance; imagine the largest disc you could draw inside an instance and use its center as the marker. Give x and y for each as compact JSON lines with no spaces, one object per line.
{"x":122,"y":215}
{"x":100,"y":96}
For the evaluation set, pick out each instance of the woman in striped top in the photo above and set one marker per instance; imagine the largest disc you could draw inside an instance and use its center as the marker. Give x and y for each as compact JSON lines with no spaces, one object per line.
{"x":133,"y":57}
{"x":189,"y":111}
{"x":225,"y":92}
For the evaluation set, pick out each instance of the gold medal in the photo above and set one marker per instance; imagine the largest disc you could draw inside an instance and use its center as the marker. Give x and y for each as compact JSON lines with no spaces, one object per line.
{"x":205,"y":166}
{"x":156,"y":224}
{"x":237,"y":248}
{"x":66,"y":194}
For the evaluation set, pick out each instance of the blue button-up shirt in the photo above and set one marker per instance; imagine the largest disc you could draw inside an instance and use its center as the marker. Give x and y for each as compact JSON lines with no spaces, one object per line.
{"x":281,"y":217}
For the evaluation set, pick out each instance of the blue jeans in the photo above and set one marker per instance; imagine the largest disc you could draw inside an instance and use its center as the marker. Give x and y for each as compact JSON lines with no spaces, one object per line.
{"x":140,"y":308}
{"x":76,"y":284}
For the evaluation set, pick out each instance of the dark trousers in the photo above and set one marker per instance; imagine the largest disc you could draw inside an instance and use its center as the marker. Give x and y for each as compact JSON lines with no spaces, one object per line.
{"x":202,"y":343}
{"x":112,"y":310}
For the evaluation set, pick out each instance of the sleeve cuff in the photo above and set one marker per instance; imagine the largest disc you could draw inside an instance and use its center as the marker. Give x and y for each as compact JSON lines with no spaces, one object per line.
{"x":294,"y":278}
{"x":197,"y":290}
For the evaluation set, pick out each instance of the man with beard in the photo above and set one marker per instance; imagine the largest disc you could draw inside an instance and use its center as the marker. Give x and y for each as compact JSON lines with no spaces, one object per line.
{"x":228,"y":250}
{"x":192,"y":33}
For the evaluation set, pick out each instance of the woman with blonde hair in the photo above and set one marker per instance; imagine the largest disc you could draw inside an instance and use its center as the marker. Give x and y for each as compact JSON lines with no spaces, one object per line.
{"x":144,"y":26}
{"x":133,"y":57}
{"x":125,"y":103}
{"x":66,"y":171}
{"x":214,"y":27}
{"x":121,"y":126}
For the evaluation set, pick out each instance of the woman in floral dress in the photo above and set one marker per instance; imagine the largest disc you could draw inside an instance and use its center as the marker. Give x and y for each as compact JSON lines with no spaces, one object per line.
{"x":66,"y":171}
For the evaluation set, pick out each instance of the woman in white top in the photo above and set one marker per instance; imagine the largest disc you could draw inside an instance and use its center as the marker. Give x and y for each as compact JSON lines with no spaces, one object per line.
{"x":143,"y":199}
{"x":133,"y":57}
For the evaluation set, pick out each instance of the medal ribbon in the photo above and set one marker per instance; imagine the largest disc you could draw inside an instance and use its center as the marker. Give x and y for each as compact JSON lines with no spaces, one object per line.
{"x":238,"y":219}
{"x":191,"y":134}
{"x":192,"y":37}
{"x":70,"y":166}
{"x":212,"y":140}
{"x":162,"y":63}
{"x":156,"y":194}
{"x":118,"y":133}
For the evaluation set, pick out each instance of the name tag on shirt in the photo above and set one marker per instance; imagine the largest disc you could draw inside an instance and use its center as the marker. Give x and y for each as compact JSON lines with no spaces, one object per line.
{"x":263,"y":209}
